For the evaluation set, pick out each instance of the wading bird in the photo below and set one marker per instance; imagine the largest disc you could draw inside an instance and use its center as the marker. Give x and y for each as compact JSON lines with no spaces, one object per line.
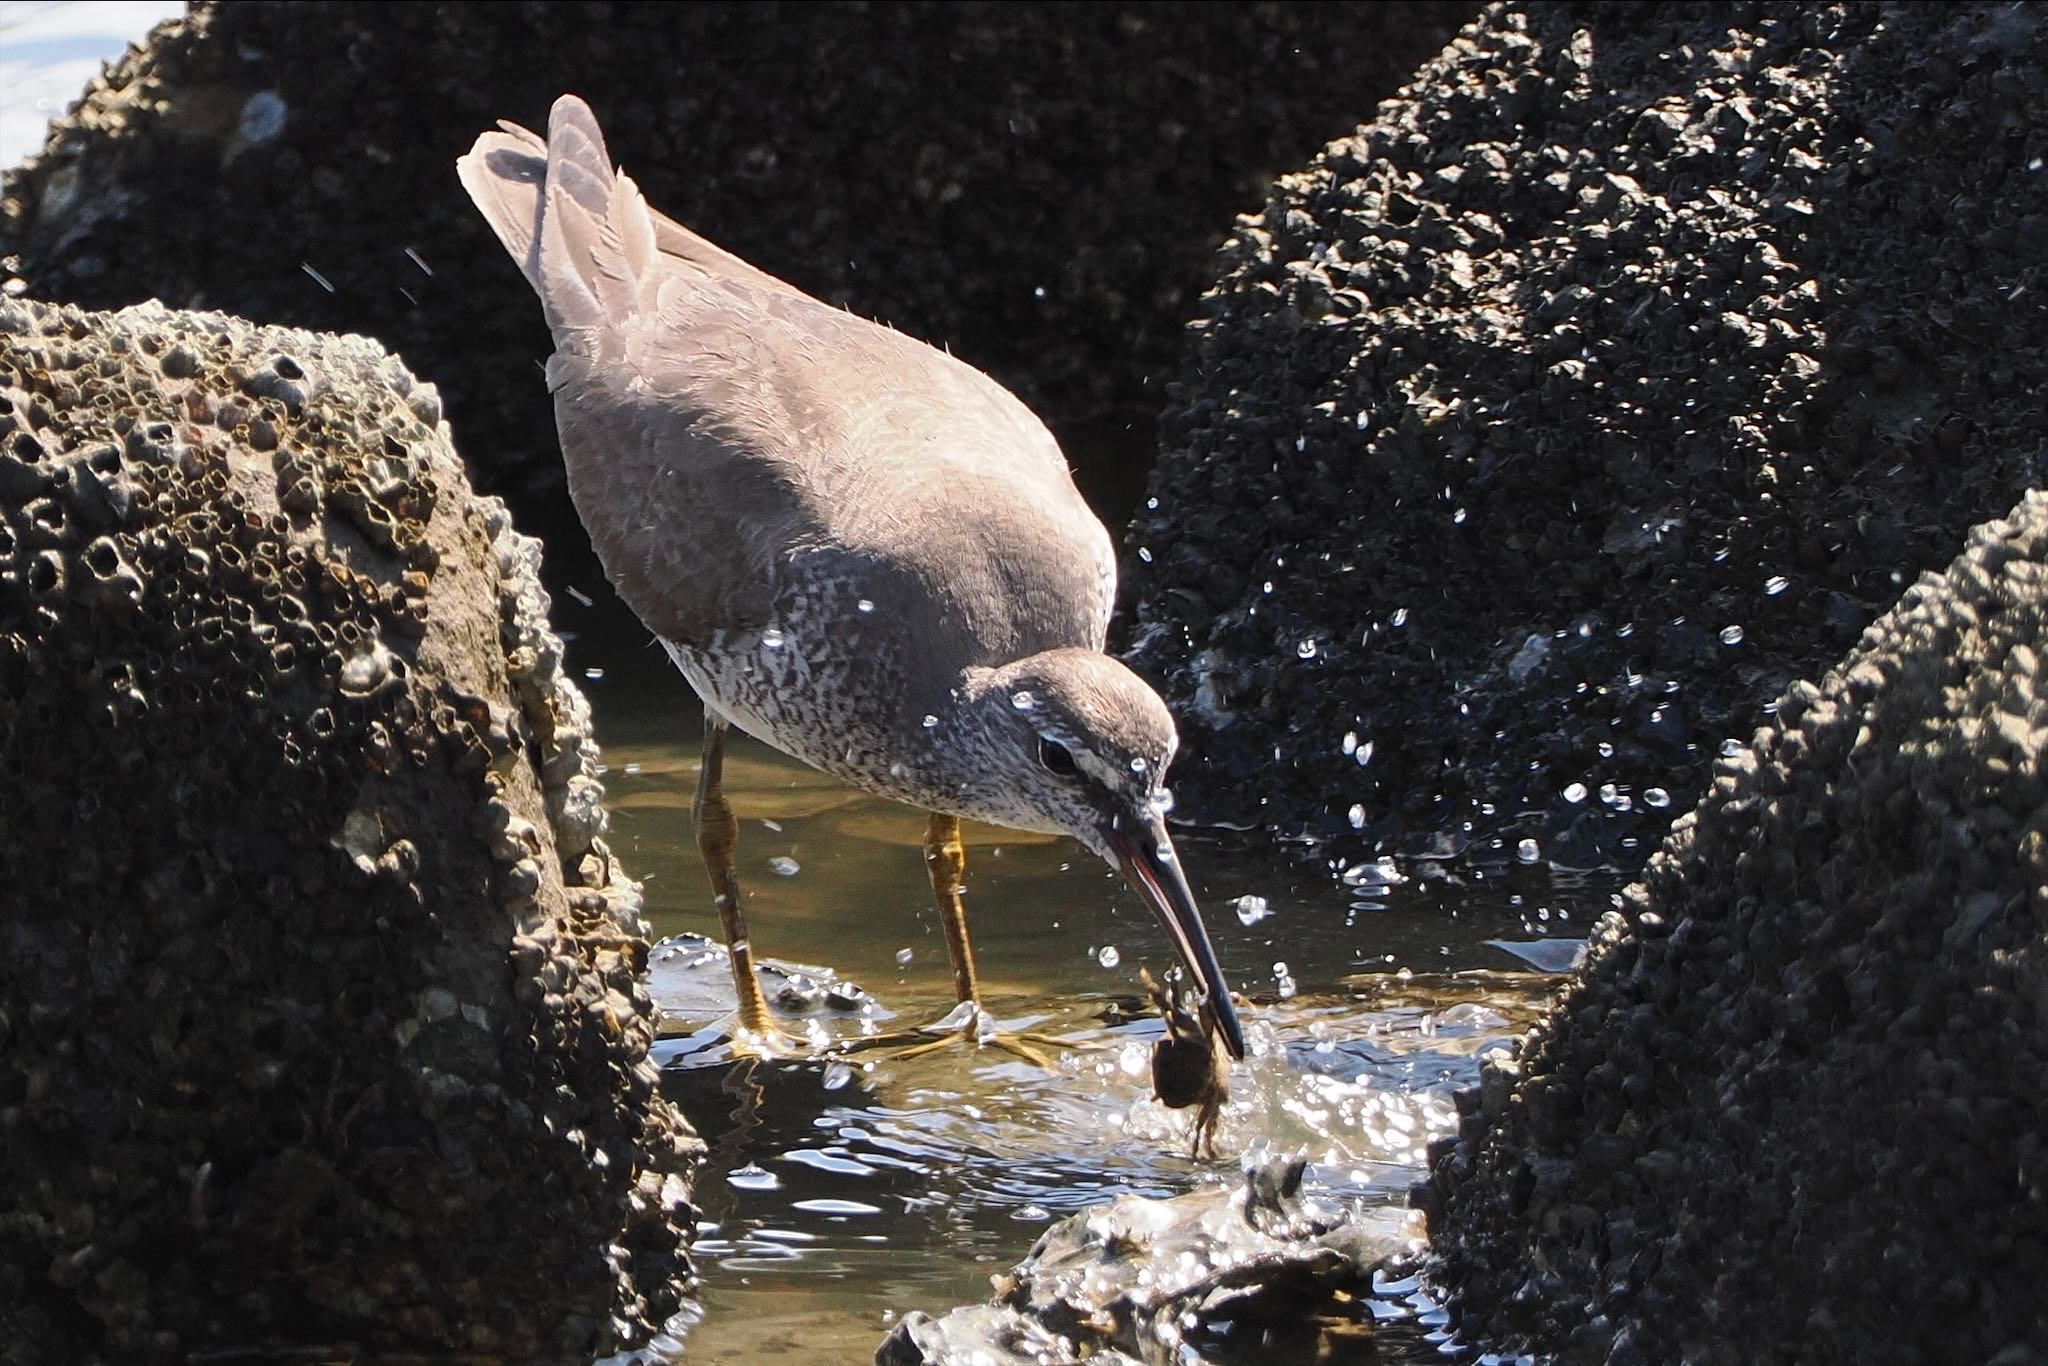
{"x":856,"y":548}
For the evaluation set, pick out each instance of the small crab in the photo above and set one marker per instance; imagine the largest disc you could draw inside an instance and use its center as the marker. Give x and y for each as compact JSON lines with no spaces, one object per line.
{"x":1187,"y":1066}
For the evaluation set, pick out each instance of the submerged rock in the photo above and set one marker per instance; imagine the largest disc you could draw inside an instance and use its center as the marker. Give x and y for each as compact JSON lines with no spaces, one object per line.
{"x":1538,"y":434}
{"x":1792,"y":1107}
{"x":320,"y":1019}
{"x":1038,"y":188}
{"x":1211,"y":1275}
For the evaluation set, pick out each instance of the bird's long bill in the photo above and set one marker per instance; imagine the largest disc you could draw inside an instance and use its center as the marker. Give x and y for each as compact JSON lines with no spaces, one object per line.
{"x":1146,"y":858}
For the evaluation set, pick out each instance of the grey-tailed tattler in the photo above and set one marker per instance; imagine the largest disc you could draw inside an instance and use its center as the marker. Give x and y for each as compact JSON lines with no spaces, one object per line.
{"x":855,"y":547}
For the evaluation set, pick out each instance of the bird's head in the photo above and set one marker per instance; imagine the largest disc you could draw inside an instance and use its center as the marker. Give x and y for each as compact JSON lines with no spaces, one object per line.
{"x":1072,"y":742}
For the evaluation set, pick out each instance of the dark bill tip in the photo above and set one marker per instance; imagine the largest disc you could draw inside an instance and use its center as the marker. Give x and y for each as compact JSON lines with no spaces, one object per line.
{"x":1146,"y":858}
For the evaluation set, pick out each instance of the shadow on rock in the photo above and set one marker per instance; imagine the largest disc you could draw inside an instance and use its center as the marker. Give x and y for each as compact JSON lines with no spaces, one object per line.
{"x":1040,"y":188}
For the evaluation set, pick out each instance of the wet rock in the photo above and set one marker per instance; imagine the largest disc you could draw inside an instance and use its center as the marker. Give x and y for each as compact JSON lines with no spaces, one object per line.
{"x":1202,"y":1276}
{"x":690,"y":977}
{"x":1537,"y":435}
{"x":320,"y":1011}
{"x":1792,"y":1108}
{"x":1038,"y":188}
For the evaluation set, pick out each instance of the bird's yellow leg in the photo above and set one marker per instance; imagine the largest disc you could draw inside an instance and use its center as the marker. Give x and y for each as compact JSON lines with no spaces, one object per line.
{"x":718,"y":836}
{"x":945,"y":858}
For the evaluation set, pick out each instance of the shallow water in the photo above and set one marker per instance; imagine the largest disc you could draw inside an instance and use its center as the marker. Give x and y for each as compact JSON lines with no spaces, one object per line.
{"x":838,"y":1196}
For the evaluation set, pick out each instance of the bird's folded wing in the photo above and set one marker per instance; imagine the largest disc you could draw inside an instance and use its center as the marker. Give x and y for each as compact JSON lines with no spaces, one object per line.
{"x":717,"y":422}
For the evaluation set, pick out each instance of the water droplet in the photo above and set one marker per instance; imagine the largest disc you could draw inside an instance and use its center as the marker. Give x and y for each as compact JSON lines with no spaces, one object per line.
{"x":594,"y":674}
{"x":1458,"y":517}
{"x":1383,"y":872}
{"x":1731,"y":635}
{"x":1656,"y":796}
{"x":1306,"y":649}
{"x":1775,"y":585}
{"x":1363,"y":754}
{"x":904,"y":956}
{"x":1139,"y":766}
{"x":930,"y":720}
{"x":865,"y":605}
{"x":836,"y":1076}
{"x":1730,"y":747}
{"x":1144,"y":554}
{"x":1400,"y":617}
{"x":1528,"y":851}
{"x":1576,"y":793}
{"x":782,"y":865}
{"x":1022,"y":699}
{"x":1606,"y":750}
{"x":771,"y":639}
{"x":1151,"y":504}
{"x":1108,"y":956}
{"x":1252,"y":909}
{"x":753,"y":1177}
{"x":1267,"y":586}
{"x":1356,"y":815}
{"x":1031,"y":1214}
{"x":1162,"y":800}
{"x":1350,"y":741}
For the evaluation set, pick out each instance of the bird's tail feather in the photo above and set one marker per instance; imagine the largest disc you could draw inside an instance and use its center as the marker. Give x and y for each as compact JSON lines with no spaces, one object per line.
{"x":579,"y":230}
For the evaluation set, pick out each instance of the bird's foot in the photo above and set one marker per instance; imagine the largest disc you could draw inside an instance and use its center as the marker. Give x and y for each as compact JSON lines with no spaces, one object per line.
{"x":767,"y":1041}
{"x":969,"y":1025}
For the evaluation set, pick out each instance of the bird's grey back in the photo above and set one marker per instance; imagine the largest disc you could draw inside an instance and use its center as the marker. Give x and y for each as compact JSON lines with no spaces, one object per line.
{"x":723,"y":429}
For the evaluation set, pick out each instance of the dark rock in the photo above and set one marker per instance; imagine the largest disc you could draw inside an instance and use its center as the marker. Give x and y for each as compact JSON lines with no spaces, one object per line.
{"x":1804,"y":1124}
{"x":1040,"y":188}
{"x":1684,"y":336}
{"x":320,"y":1011}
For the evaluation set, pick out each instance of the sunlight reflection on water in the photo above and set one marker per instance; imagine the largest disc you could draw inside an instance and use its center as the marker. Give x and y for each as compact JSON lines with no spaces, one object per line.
{"x":843,"y":1193}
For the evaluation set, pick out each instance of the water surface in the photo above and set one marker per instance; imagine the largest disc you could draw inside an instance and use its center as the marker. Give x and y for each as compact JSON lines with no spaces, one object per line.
{"x":837,"y":1197}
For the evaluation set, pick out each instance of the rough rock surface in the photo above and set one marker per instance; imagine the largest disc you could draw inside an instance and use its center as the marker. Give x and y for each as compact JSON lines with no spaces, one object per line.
{"x":1038,"y":187}
{"x":1254,"y":1271}
{"x":1795,"y":1106}
{"x":1624,"y":371}
{"x":319,"y":1019}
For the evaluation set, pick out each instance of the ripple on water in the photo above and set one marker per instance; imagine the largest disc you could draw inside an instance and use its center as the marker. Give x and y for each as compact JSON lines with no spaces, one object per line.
{"x":874,"y":1184}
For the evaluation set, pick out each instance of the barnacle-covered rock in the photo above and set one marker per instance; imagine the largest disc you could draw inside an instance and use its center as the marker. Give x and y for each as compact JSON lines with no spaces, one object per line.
{"x":320,"y":1010}
{"x":1795,"y":1104}
{"x":1037,"y":187}
{"x":1538,"y":434}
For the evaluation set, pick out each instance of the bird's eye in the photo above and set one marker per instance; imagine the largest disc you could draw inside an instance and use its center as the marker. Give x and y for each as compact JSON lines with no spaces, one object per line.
{"x":1056,"y":757}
